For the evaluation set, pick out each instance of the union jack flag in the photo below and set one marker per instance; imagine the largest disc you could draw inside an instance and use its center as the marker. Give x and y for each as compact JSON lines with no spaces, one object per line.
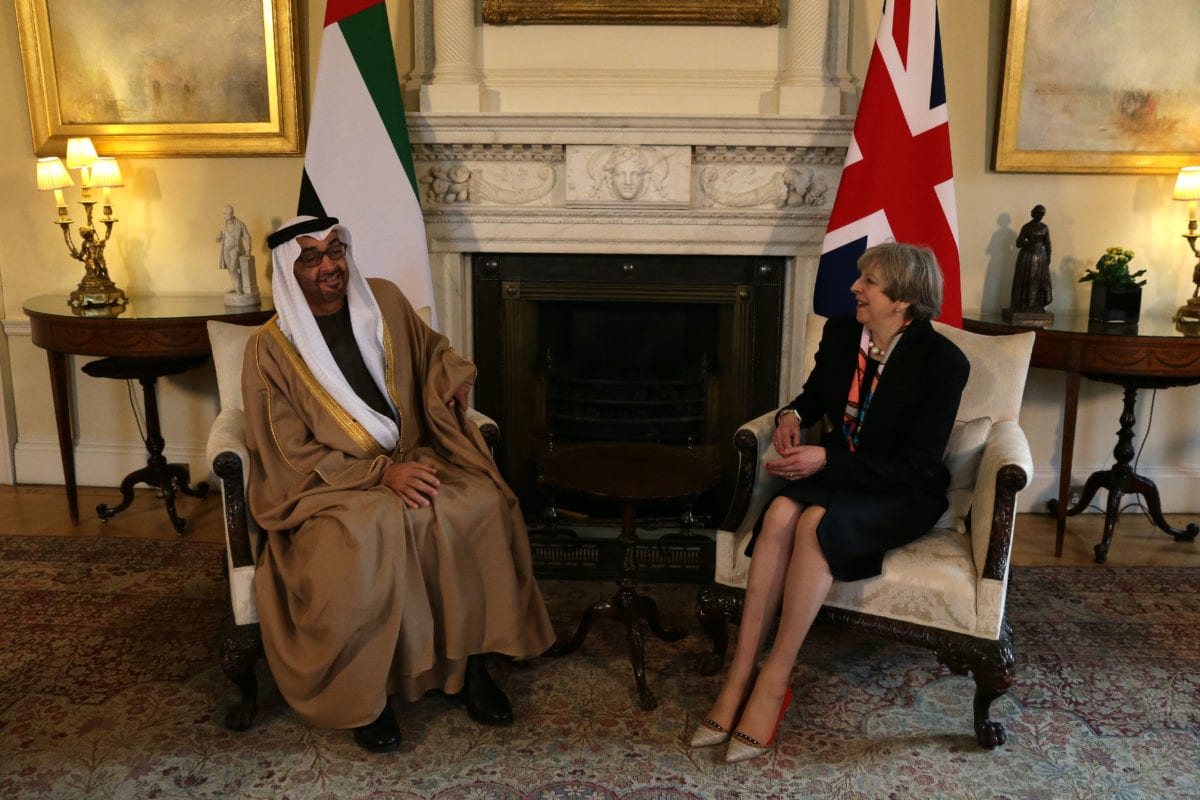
{"x":898,"y":181}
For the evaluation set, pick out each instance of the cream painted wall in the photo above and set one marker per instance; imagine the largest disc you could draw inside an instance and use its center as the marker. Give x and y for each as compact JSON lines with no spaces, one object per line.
{"x":1086,"y":213}
{"x":170,"y":210}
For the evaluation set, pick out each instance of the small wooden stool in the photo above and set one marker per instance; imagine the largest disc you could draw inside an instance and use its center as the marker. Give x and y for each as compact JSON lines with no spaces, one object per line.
{"x":167,"y":478}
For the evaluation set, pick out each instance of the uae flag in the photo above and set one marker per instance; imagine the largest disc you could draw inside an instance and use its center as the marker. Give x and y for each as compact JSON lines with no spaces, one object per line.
{"x":358,"y":165}
{"x":898,"y":181}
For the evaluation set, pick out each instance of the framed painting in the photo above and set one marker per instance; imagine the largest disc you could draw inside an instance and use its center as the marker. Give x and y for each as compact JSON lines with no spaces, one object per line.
{"x":163,"y":77}
{"x":1100,"y":86}
{"x":632,"y":12}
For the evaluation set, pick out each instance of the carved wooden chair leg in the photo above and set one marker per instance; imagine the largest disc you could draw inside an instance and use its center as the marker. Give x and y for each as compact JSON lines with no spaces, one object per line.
{"x":993,"y":677}
{"x":716,"y":607}
{"x":240,"y":651}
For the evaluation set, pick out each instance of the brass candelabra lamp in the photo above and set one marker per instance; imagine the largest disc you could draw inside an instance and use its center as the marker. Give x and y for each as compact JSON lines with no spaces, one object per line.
{"x":1187,"y":187}
{"x":97,"y":288}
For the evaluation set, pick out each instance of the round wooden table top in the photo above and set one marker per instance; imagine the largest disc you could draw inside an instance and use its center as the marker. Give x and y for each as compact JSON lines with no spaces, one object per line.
{"x":630,"y":471}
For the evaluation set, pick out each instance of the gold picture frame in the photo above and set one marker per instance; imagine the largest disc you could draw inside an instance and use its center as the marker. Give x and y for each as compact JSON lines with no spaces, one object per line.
{"x":1107,"y":98}
{"x":632,"y":12}
{"x":163,"y":77}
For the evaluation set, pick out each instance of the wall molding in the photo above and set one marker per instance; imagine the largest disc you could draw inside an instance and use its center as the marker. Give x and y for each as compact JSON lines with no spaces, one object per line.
{"x":100,"y":463}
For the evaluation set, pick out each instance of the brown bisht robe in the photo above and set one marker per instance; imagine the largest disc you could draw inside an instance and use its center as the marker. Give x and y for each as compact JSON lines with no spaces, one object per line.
{"x":360,"y":597}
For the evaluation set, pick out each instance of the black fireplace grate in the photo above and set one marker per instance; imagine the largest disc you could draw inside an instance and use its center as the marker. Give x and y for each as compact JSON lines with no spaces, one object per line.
{"x":627,"y":410}
{"x":561,"y":554}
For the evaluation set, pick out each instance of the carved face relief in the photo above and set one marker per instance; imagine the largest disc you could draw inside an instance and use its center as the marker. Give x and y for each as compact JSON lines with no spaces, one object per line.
{"x":626,"y":175}
{"x":629,"y":179}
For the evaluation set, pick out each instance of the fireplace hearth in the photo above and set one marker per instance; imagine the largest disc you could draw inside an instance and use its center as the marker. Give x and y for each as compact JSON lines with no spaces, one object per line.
{"x":575,"y":348}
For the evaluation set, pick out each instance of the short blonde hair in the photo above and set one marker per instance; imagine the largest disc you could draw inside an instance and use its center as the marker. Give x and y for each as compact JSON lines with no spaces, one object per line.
{"x":910,"y":274}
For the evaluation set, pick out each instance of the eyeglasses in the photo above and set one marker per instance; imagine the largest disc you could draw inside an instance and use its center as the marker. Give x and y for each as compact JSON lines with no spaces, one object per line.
{"x":313,"y":258}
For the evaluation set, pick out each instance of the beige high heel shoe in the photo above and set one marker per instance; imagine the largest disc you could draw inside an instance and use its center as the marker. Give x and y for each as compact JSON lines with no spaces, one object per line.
{"x":743,"y":747}
{"x":709,"y":734}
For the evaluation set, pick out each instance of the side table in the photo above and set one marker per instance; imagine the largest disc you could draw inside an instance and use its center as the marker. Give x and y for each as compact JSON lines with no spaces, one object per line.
{"x":167,"y":478}
{"x":1151,"y":354}
{"x":167,"y":326}
{"x":628,"y":474}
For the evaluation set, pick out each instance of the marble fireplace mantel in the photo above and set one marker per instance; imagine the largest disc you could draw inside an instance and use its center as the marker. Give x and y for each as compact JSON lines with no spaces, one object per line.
{"x":574,"y":183}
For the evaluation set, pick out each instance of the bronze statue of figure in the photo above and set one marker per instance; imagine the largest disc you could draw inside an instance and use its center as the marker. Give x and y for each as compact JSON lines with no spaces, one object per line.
{"x":91,"y":253}
{"x":1031,"y":289}
{"x":96,"y":288}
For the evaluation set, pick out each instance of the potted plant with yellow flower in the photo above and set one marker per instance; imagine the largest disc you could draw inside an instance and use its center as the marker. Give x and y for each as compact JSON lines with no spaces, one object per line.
{"x":1116,"y":290}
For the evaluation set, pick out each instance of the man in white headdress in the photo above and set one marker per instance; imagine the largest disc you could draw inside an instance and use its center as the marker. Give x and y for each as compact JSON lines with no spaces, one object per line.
{"x":396,"y":555}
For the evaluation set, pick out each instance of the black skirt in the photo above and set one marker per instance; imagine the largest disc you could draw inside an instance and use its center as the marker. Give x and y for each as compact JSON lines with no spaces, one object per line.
{"x":859,"y":527}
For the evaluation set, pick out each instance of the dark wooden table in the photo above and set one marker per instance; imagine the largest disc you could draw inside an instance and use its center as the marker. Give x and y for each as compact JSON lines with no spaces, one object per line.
{"x":628,"y":474}
{"x":1148,"y":355}
{"x":152,"y":328}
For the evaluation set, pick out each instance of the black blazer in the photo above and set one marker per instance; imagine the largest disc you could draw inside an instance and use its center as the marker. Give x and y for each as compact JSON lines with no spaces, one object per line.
{"x":910,"y":418}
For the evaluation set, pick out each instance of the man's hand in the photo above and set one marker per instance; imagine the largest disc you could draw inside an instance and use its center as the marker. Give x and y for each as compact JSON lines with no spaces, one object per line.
{"x":461,"y":394}
{"x":414,"y":482}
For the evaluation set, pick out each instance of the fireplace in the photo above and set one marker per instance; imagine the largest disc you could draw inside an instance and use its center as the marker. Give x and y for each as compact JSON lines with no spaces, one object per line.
{"x":676,"y":349}
{"x":541,"y":255}
{"x":628,"y":371}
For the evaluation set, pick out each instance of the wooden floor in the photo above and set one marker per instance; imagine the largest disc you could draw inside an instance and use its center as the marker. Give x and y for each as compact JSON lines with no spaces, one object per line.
{"x":42,"y":510}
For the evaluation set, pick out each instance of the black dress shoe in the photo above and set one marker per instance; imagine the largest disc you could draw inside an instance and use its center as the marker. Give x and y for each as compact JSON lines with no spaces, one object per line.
{"x":382,"y":735}
{"x":486,"y":703}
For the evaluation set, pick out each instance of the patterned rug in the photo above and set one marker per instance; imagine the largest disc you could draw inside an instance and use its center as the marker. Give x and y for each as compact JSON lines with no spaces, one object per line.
{"x":109,"y":688}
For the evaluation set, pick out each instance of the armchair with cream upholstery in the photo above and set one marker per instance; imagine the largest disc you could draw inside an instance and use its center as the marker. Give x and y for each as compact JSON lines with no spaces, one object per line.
{"x":229,"y":457}
{"x":946,"y":590}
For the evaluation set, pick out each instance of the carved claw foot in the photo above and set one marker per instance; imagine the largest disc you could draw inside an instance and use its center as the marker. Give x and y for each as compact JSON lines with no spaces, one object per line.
{"x":990,"y":734}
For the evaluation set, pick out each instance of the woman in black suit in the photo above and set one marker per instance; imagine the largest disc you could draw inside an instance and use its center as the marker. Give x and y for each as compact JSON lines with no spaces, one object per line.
{"x":886,"y":388}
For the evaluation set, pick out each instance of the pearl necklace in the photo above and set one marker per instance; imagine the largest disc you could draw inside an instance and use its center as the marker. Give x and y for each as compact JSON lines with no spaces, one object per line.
{"x":874,"y":351}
